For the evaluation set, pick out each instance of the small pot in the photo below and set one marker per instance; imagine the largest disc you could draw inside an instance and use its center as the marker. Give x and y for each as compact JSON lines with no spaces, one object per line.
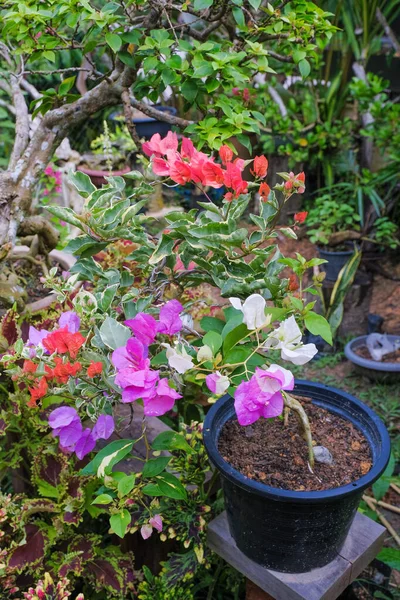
{"x":287,"y":530}
{"x":66,"y":261}
{"x":98,"y":178}
{"x":384,"y":372}
{"x":336,"y":262}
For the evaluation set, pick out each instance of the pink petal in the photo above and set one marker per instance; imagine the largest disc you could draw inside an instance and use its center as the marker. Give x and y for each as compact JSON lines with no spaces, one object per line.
{"x":104,"y":427}
{"x":273,"y":406}
{"x":146,"y":531}
{"x":156,"y":522}
{"x":85,"y":444}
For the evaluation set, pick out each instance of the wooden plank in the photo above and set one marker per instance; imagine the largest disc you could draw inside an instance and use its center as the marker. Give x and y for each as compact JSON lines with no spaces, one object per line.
{"x":361,"y":547}
{"x":325,"y":583}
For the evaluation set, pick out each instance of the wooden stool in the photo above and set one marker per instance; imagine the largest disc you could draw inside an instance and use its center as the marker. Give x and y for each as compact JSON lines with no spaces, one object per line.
{"x":361,"y":546}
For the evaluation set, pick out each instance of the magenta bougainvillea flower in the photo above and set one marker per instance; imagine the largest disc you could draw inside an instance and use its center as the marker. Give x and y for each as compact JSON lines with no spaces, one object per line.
{"x":217,"y":383}
{"x":162,"y":402}
{"x":261,"y":396}
{"x":169,"y":320}
{"x":144,"y":327}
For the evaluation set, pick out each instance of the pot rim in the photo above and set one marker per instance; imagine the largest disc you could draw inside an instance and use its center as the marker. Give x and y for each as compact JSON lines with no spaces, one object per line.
{"x":368,"y":363}
{"x":278,"y":494}
{"x":98,"y":173}
{"x":321,"y":249}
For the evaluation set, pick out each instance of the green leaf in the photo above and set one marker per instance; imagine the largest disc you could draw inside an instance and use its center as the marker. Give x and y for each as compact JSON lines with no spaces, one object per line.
{"x":107,"y":296}
{"x":234,"y":337}
{"x":65,"y":214}
{"x":84,"y":243}
{"x":170,"y":440}
{"x":255,"y":4}
{"x":391,"y":557}
{"x":126,"y":485}
{"x":318,"y":325}
{"x":114,"y":41}
{"x":189,"y":90}
{"x":82,"y":183}
{"x":304,"y":67}
{"x":202,"y":4}
{"x":155,"y":466}
{"x":47,"y":490}
{"x":214,"y":340}
{"x":239,"y":17}
{"x":66,"y":85}
{"x":114,"y":334}
{"x":163,"y":249}
{"x":171,"y":487}
{"x":212,"y":324}
{"x":108,"y":456}
{"x":152,"y":489}
{"x":120,"y":522}
{"x":103,"y":499}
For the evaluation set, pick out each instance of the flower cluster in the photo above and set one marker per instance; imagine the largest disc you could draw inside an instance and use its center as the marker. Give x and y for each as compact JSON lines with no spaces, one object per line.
{"x":191,"y":166}
{"x":66,"y":425}
{"x":55,"y":181}
{"x":134,"y":375}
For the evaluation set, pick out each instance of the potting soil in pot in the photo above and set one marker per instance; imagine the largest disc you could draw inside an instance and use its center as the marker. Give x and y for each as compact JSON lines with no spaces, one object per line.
{"x":276,"y":455}
{"x":391,"y":357}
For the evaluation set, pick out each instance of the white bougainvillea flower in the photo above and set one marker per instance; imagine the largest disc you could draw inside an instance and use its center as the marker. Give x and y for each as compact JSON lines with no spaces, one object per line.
{"x":179,"y":360}
{"x":217,"y":383}
{"x":253,"y":310}
{"x":204,"y":353}
{"x":287,"y":339}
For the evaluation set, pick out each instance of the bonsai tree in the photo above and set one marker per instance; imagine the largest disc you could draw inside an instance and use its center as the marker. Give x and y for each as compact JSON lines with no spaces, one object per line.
{"x":63,"y":61}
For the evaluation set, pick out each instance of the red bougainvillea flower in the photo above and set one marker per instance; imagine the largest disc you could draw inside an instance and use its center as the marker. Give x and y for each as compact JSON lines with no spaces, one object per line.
{"x":29,"y":367}
{"x":233,"y":178}
{"x":180,"y":172}
{"x":226,"y":154}
{"x":37,"y":392}
{"x":300,"y":217}
{"x":246,"y":94}
{"x":160,"y":146}
{"x":95,"y":368}
{"x":264,"y":191}
{"x":63,"y":371}
{"x":260,"y":167}
{"x":62,"y":341}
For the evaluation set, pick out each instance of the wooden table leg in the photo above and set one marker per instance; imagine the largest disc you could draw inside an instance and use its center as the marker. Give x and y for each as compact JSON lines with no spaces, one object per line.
{"x":253,"y":592}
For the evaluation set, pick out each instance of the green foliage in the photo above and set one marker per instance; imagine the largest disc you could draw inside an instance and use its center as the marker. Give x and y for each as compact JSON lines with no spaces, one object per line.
{"x":328,"y":216}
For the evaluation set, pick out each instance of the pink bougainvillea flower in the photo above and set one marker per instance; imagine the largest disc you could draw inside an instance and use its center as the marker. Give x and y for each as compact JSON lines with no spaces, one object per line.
{"x":226,"y":154}
{"x":62,"y":417}
{"x":144,"y":327}
{"x":187,"y":148}
{"x":146,"y":531}
{"x":260,"y":167}
{"x":160,"y":167}
{"x":233,"y":179}
{"x":159,"y":146}
{"x":162,"y":401}
{"x":49,"y":171}
{"x":132,"y":356}
{"x":69,"y":435}
{"x":103,"y":428}
{"x":217,"y":383}
{"x":169,"y":320}
{"x":156,"y":522}
{"x":180,"y":172}
{"x":296,"y":182}
{"x":137,"y":385}
{"x":261,"y":396}
{"x":213,"y":175}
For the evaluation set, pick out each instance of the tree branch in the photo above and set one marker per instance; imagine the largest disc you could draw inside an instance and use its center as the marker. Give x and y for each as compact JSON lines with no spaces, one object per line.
{"x":7,"y":106}
{"x":281,"y":57}
{"x":21,"y":121}
{"x":159,"y":115}
{"x":128,"y":113}
{"x":388,"y":31}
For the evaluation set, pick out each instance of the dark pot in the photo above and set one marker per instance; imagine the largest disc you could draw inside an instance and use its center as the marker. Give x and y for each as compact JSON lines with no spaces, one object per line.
{"x":98,"y":178}
{"x":293,"y":531}
{"x":384,"y":372}
{"x":146,"y":126}
{"x":336,"y":262}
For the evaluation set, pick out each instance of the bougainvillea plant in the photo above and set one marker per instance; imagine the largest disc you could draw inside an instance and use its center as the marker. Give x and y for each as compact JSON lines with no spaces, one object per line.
{"x":127,"y":338}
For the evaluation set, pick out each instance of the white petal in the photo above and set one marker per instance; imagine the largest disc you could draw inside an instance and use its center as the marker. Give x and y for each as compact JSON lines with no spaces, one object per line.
{"x":300,"y":355}
{"x":288,"y":378}
{"x":222,"y":384}
{"x":254,"y":311}
{"x":291,"y":331}
{"x":236,"y":303}
{"x":205,"y":353}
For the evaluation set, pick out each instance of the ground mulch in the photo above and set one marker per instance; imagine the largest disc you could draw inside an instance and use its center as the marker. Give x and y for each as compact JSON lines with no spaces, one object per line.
{"x":276,"y":455}
{"x":392,"y":357}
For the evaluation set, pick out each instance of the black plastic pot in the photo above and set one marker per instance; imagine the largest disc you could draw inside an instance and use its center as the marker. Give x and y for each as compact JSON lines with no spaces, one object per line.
{"x":146,"y":126}
{"x":336,"y":262}
{"x":293,"y":531}
{"x":384,"y":372}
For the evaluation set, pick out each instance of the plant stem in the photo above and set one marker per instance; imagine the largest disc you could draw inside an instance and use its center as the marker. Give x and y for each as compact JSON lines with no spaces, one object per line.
{"x":295,"y":405}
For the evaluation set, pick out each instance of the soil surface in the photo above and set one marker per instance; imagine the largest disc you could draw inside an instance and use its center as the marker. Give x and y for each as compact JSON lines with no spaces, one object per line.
{"x":276,"y":455}
{"x":392,"y":357}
